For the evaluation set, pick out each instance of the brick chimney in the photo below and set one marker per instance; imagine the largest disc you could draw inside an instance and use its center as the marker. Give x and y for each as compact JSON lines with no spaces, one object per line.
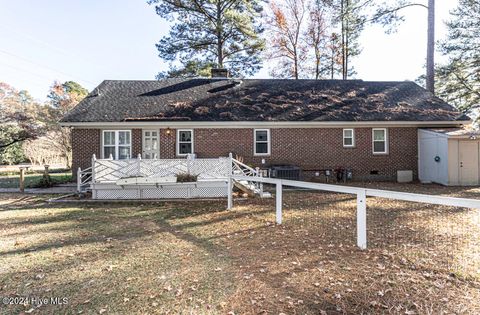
{"x":219,"y":73}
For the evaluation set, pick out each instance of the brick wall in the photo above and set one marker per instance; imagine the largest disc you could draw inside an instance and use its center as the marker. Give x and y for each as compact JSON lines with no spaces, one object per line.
{"x":167,"y":143}
{"x":136,"y":142}
{"x":310,"y":148}
{"x":85,"y":143}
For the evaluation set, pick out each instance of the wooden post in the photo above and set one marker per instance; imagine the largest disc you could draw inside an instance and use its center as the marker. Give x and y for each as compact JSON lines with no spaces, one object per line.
{"x":278,"y":202}
{"x":230,"y":193}
{"x":45,"y":172}
{"x":362,"y":219}
{"x":22,"y":179}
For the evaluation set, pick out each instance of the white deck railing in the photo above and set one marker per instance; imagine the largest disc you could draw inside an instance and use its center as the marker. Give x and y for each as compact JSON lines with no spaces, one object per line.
{"x":109,"y":170}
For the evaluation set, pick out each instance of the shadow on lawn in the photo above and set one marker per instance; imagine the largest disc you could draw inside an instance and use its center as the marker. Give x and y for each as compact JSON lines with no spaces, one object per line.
{"x":129,"y":231}
{"x":322,"y":248}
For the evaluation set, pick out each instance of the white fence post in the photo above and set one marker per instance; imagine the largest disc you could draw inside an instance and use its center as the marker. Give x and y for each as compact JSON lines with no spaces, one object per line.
{"x":139,"y":167}
{"x":230,"y":192}
{"x":94,"y":158}
{"x":79,"y":180}
{"x":260,"y":184}
{"x":230,"y":161}
{"x":362,"y":219}
{"x":278,"y":202}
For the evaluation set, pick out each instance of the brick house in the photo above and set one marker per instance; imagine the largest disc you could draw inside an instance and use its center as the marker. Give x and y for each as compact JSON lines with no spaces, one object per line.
{"x":368,"y":127}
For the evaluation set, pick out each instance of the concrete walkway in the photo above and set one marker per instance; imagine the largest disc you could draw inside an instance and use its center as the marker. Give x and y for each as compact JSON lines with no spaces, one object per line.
{"x":60,"y":189}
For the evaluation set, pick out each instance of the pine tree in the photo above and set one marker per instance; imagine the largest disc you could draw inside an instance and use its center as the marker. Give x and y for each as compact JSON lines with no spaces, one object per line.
{"x":224,"y":33}
{"x":459,"y":80}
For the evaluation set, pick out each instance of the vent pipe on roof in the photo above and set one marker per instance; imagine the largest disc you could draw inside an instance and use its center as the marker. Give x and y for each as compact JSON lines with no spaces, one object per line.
{"x":219,"y":73}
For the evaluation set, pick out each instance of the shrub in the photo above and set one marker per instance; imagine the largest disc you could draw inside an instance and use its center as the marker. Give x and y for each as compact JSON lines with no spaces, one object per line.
{"x":186,"y":177}
{"x":45,"y":182}
{"x":12,"y":154}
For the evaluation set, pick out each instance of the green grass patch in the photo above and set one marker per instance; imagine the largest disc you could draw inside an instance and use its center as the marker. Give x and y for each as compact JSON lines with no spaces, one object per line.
{"x":33,"y":180}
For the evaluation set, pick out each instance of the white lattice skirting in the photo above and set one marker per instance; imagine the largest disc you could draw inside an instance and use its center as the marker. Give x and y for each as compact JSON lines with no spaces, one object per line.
{"x":201,"y":189}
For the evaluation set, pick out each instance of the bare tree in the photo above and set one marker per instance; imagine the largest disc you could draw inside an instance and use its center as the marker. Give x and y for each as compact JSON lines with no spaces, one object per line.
{"x":315,"y":36}
{"x":285,"y":25}
{"x":334,"y":55}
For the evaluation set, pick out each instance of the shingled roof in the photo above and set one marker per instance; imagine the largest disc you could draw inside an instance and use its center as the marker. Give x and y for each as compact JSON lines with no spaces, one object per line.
{"x":260,"y":100}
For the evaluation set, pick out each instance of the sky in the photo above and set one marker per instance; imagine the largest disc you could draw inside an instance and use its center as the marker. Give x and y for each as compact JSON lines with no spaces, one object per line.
{"x":89,"y":41}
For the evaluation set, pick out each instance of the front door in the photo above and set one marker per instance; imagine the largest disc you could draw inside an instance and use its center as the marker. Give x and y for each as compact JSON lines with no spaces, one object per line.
{"x":468,"y":154}
{"x":150,"y":144}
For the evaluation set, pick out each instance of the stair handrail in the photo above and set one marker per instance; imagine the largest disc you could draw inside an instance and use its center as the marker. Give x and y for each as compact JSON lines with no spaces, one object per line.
{"x":248,"y":171}
{"x":241,"y":166}
{"x":84,"y":179}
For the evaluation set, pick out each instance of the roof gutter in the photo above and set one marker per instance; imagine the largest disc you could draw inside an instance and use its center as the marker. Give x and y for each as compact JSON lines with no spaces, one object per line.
{"x":262,"y":124}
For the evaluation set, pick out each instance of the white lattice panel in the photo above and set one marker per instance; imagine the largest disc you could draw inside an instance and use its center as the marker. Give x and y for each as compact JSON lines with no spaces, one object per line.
{"x":207,"y":189}
{"x":209,"y":192}
{"x":165,"y":193}
{"x":117,"y":194}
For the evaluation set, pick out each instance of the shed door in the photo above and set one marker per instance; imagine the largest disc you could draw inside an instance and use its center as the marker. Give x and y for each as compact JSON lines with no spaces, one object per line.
{"x":468,"y":159}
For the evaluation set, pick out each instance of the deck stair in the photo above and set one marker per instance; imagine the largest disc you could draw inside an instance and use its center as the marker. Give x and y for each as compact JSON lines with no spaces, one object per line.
{"x":252,"y":188}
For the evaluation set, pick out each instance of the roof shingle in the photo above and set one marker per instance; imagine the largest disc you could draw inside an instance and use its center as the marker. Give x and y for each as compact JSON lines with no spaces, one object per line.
{"x":261,"y":100}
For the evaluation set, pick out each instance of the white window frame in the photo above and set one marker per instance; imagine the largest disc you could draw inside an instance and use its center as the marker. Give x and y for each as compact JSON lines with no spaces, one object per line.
{"x":117,"y":144}
{"x":353,"y":138}
{"x":269,"y":140}
{"x":178,"y":142}
{"x":385,"y":130}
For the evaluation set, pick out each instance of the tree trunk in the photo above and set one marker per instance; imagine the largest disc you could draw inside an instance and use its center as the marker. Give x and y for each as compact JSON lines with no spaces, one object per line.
{"x":295,"y":63}
{"x":342,"y":16}
{"x":219,"y":36}
{"x":431,"y":47}
{"x":347,"y":34}
{"x":332,"y":64}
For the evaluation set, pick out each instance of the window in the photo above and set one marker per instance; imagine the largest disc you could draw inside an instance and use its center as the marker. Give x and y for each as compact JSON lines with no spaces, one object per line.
{"x":380,"y":142}
{"x":348,"y":138}
{"x":184,"y":142}
{"x":262,"y":142}
{"x":117,"y":143}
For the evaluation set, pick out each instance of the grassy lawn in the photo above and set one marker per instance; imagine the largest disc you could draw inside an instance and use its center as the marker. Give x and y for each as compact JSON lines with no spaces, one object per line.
{"x":32,"y":180}
{"x":197,"y":258}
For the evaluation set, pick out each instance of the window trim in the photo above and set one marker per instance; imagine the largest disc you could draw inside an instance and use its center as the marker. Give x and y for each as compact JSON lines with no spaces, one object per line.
{"x":385,"y":130}
{"x":353,"y":138}
{"x":269,"y":140}
{"x":177,"y":145}
{"x":117,"y":144}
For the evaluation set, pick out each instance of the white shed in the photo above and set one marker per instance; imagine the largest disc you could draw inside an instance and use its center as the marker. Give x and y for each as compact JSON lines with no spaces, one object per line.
{"x":448,"y":156}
